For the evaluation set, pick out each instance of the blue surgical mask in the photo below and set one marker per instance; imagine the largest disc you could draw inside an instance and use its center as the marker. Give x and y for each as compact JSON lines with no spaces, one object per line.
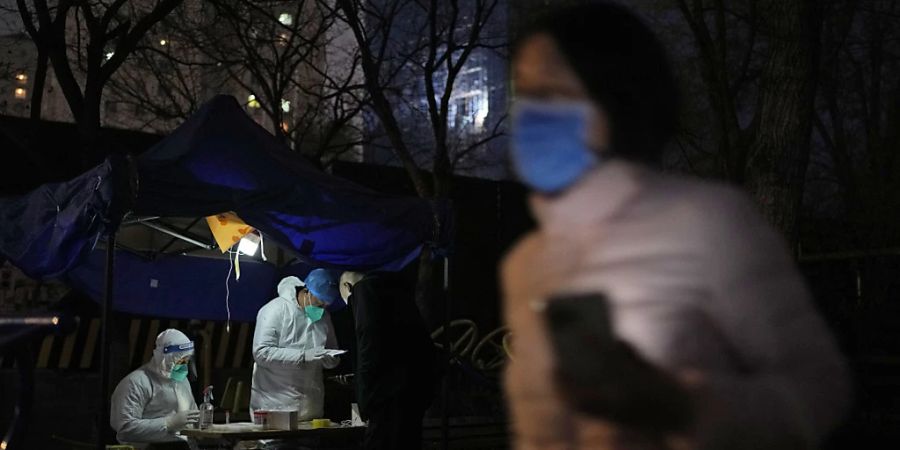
{"x":179,"y":372}
{"x":549,"y":144}
{"x":314,"y":313}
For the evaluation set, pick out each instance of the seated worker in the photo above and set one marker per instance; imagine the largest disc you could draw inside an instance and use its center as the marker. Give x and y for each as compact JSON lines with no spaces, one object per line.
{"x":395,"y":371}
{"x":292,"y":332}
{"x":151,"y":404}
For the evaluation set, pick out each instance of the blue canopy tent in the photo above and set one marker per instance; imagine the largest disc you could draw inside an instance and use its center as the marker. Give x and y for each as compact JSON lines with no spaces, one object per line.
{"x":219,"y":160}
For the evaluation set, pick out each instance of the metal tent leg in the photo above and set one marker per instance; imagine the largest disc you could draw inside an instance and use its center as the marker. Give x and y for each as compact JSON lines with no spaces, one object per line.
{"x":15,"y":436}
{"x":445,"y":387}
{"x":106,"y":319}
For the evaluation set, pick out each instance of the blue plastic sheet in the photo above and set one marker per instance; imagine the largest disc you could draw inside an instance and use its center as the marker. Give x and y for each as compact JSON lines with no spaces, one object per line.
{"x":178,"y":286}
{"x":50,"y":230}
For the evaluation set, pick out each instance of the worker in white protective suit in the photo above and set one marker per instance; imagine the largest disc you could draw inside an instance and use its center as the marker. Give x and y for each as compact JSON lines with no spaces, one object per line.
{"x":292,"y":333}
{"x":151,"y":404}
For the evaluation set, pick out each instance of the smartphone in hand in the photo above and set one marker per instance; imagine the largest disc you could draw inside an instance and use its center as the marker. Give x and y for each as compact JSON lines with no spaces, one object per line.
{"x":598,"y":374}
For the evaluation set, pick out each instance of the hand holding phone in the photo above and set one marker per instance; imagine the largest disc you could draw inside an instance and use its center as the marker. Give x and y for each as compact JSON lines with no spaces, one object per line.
{"x":600,"y":375}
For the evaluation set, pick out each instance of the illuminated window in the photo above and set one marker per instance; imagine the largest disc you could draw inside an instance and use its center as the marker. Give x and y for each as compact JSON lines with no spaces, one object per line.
{"x":285,"y":105}
{"x":282,"y":39}
{"x":109,"y":55}
{"x":469,"y":104}
{"x":481,"y":111}
{"x":252,"y":101}
{"x":286,"y":19}
{"x":284,"y":126}
{"x":21,"y":93}
{"x":21,"y":77}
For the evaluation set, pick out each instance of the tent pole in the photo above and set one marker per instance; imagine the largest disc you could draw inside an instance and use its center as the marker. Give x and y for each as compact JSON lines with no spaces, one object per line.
{"x":445,"y":388}
{"x":106,"y":319}
{"x":24,"y":361}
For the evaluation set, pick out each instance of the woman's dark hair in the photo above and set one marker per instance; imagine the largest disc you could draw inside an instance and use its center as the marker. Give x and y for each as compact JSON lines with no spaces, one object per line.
{"x":625,"y":70}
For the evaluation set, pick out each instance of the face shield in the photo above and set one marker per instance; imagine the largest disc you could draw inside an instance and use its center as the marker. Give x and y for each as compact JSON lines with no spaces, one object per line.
{"x":178,"y":356}
{"x":172,"y":354}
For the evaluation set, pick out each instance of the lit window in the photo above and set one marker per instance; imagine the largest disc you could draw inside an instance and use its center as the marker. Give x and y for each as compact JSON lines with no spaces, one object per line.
{"x":252,"y":101}
{"x":21,"y":77}
{"x":21,"y":93}
{"x":109,"y":55}
{"x":282,"y":39}
{"x":286,"y":19}
{"x":163,"y":42}
{"x":284,"y":126}
{"x":285,"y":105}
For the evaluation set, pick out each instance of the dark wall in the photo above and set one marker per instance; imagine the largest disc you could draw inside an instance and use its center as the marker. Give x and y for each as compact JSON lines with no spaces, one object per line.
{"x":34,"y":153}
{"x":65,"y":407}
{"x":489,"y":217}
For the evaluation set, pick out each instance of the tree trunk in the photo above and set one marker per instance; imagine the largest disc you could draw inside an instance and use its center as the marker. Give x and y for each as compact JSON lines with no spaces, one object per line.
{"x":34,"y":151}
{"x":37,"y":87}
{"x":780,"y":152}
{"x":431,"y":309}
{"x":432,"y":303}
{"x":89,"y":131}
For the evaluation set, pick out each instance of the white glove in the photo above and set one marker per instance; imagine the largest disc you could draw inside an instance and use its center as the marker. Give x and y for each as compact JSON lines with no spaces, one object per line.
{"x":330,"y":362}
{"x":177,"y":421}
{"x":315,"y":354}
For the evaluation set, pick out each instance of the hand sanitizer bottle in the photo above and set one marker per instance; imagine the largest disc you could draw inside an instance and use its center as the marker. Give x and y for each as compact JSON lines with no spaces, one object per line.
{"x":206,"y":409}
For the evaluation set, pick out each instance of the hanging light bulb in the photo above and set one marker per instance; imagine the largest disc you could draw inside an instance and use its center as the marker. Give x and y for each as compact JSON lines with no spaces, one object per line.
{"x":249,"y":244}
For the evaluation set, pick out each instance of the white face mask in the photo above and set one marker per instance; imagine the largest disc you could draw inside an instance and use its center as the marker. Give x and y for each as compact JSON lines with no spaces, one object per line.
{"x":346,"y":289}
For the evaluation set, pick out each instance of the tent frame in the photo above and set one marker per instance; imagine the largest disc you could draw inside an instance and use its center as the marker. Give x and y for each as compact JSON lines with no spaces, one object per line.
{"x":106,"y":315}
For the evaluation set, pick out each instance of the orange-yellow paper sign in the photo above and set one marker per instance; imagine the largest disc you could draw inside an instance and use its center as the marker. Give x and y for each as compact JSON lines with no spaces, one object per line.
{"x":227,"y":229}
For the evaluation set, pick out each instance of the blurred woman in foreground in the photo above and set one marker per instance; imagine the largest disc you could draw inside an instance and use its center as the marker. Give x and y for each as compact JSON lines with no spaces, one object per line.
{"x":699,"y":287}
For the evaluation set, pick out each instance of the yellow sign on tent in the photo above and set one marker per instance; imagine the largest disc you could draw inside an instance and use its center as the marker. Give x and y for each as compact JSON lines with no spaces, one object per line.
{"x":228,"y":229}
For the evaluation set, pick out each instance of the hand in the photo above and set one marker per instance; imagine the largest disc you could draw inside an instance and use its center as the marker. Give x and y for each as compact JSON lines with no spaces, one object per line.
{"x":315,"y":354}
{"x":177,"y":421}
{"x":600,"y":433}
{"x":330,"y":362}
{"x":691,"y":379}
{"x":617,"y":384}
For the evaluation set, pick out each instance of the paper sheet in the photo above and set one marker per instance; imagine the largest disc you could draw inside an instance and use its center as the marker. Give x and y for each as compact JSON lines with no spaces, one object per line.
{"x":236,"y":427}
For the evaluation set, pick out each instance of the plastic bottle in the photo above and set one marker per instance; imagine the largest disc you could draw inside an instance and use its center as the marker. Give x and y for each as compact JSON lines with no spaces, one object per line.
{"x":206,"y":409}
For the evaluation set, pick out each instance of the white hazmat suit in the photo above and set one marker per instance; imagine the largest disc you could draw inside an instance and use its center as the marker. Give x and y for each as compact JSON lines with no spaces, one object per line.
{"x":287,"y":375}
{"x":147,"y":405}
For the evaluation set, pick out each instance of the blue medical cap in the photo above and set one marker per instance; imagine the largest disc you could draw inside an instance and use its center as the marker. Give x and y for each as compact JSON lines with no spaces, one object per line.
{"x":324,"y":285}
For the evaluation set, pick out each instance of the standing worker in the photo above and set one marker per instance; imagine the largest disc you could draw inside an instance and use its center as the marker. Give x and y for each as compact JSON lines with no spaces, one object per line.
{"x":292,"y":332}
{"x":697,"y":283}
{"x":151,"y":404}
{"x":394,"y":359}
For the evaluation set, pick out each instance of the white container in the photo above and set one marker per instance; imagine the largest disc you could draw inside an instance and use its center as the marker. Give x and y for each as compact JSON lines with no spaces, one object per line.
{"x":283,"y":420}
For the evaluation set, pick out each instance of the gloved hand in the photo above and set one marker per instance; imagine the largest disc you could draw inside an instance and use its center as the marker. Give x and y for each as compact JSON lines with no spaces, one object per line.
{"x":315,"y":354}
{"x":330,"y":362}
{"x":177,"y":421}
